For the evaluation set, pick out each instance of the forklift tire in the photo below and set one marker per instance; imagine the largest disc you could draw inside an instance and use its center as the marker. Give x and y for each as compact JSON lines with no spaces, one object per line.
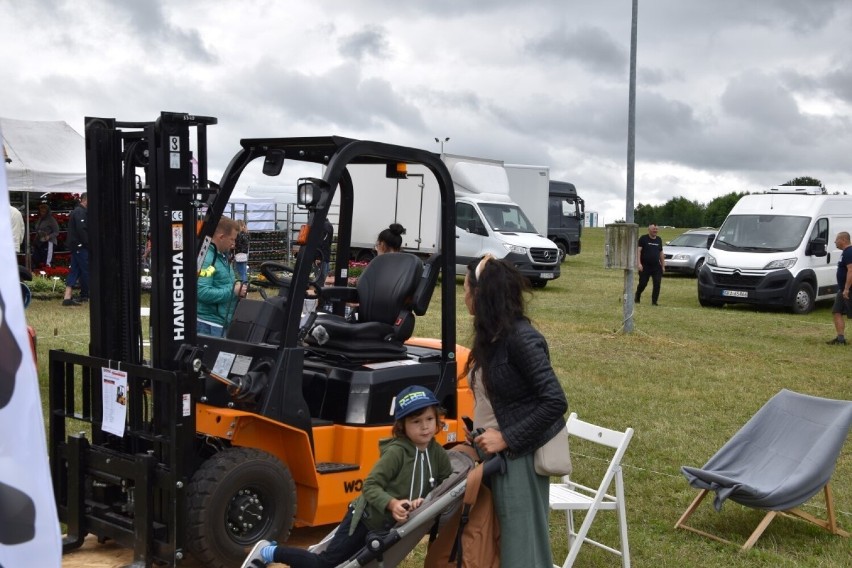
{"x":236,"y":498}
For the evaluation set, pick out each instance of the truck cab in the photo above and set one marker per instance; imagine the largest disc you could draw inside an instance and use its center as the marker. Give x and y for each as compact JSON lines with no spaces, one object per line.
{"x":490,"y":221}
{"x":565,"y":217}
{"x":502,"y":230}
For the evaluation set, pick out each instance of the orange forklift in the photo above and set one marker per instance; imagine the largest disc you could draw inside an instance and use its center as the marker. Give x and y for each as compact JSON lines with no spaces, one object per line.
{"x":217,"y":442}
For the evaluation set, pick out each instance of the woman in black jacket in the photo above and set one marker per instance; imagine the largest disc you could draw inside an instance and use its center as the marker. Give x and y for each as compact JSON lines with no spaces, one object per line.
{"x":519,"y":403}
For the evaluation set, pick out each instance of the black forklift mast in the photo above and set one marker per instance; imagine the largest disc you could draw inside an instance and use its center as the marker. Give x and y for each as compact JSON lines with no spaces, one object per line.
{"x":161,"y":150}
{"x":131,"y":488}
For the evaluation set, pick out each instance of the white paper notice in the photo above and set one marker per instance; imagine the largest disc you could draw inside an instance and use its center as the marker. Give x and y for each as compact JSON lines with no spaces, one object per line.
{"x":115,"y":401}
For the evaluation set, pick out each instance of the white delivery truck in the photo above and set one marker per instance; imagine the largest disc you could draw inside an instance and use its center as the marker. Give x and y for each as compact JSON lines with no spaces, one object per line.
{"x":777,"y":249}
{"x":487,"y":220}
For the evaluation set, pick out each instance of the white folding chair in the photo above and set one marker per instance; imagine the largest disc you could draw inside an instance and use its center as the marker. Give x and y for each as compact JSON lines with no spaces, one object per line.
{"x":570,"y":496}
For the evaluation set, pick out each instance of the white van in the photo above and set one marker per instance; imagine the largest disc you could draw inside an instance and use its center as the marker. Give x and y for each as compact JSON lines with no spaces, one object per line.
{"x":777,"y":249}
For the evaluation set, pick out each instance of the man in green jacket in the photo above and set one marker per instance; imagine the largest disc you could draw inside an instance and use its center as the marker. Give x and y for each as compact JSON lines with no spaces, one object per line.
{"x":218,"y":289}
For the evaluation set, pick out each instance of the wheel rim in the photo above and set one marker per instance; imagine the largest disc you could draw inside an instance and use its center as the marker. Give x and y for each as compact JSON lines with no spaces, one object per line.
{"x":803,"y":299}
{"x":248,"y":515}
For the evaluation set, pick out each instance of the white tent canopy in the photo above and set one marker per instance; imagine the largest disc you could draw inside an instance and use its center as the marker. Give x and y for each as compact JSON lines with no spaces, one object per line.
{"x":46,"y":156}
{"x":257,"y":212}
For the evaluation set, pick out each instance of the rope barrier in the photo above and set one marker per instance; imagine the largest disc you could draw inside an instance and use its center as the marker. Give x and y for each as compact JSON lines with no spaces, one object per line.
{"x":669,"y":475}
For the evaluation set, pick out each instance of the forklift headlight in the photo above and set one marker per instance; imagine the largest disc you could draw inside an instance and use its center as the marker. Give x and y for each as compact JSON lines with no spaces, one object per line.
{"x":309,"y":192}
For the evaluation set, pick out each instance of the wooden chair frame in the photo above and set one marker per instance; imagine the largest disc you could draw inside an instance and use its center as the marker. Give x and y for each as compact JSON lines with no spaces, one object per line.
{"x":829,"y":524}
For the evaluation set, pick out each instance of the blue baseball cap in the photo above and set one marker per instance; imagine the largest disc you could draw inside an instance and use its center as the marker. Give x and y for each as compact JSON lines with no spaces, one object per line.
{"x":411,"y":399}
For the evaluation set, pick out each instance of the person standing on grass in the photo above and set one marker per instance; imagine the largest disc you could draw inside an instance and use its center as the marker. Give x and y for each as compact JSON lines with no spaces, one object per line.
{"x":218,"y":290}
{"x":78,"y":244}
{"x":519,"y":403}
{"x":18,"y":229}
{"x":47,"y":231}
{"x":842,"y":303}
{"x":241,"y":251}
{"x":651,"y":263}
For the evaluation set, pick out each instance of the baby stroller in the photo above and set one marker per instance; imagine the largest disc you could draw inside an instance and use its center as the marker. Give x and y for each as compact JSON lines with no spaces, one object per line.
{"x":385,"y":550}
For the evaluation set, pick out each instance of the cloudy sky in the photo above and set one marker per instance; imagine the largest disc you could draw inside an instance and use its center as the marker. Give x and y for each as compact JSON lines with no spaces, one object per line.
{"x":732,"y":95}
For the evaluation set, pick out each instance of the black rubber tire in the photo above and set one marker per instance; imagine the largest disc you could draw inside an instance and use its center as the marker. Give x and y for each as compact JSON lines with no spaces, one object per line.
{"x":365,"y":256}
{"x":538,"y":283}
{"x":229,"y":485}
{"x":698,"y":266}
{"x":803,"y":299}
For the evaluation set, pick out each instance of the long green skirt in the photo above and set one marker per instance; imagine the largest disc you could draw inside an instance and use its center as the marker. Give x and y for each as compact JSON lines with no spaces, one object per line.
{"x":521,"y":500}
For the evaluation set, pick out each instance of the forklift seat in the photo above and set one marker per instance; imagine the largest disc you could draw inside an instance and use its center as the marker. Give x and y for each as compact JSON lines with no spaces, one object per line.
{"x":390,"y":292}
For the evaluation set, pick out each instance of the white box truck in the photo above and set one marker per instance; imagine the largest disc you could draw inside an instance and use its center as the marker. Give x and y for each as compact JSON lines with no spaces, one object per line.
{"x":554,"y":207}
{"x":777,"y":249}
{"x":487,"y":220}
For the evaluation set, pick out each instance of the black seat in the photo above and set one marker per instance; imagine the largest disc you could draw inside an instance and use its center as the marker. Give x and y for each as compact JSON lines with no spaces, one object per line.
{"x":390,"y":292}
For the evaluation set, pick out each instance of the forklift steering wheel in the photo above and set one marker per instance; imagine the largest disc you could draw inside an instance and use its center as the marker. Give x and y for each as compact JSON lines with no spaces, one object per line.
{"x":272,"y":271}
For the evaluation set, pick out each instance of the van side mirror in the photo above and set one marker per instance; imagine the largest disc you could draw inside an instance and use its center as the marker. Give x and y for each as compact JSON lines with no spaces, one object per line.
{"x":816,"y":248}
{"x":710,"y":239}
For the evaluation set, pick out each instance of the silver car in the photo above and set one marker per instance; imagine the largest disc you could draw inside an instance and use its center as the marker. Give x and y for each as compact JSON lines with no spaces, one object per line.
{"x":687,"y":252}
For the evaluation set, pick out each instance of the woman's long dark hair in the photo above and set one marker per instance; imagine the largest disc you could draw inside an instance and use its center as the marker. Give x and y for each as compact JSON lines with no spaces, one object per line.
{"x":498,"y":303}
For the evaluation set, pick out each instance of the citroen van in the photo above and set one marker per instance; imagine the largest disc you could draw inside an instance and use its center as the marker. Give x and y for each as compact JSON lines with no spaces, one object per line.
{"x":777,"y":249}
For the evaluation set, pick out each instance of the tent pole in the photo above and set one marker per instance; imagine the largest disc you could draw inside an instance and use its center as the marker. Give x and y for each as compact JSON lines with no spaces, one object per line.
{"x":27,"y":258}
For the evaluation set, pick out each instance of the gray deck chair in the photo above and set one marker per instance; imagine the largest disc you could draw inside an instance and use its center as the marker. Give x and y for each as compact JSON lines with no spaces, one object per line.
{"x":784,"y":455}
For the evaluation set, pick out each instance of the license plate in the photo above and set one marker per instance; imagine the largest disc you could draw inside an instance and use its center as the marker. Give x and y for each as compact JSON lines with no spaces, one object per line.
{"x":546,"y":276}
{"x":735,"y":293}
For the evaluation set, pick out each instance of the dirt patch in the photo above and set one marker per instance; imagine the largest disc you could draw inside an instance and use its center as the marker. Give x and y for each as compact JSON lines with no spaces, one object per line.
{"x":111,"y":555}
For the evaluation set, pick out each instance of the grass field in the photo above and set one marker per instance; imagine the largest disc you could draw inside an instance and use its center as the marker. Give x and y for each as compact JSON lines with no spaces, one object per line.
{"x":686,"y":379}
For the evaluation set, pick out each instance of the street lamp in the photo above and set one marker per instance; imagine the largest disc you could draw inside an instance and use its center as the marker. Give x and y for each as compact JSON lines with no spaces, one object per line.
{"x":441,"y":142}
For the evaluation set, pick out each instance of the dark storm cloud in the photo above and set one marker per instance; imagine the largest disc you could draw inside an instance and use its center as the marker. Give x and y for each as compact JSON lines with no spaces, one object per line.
{"x":371,"y":41}
{"x":590,"y":47}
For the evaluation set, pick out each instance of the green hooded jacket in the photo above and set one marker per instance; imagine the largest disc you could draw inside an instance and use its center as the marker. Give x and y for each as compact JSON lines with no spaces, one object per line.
{"x":216,"y":299}
{"x":402,"y":472}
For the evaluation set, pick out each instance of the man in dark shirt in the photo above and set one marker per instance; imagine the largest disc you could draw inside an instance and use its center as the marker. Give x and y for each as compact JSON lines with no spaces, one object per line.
{"x":651,"y":263}
{"x":842,"y":303}
{"x":78,"y":244}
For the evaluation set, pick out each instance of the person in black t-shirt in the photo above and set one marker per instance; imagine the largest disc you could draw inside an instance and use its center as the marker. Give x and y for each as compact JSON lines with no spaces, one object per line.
{"x":651,"y":263}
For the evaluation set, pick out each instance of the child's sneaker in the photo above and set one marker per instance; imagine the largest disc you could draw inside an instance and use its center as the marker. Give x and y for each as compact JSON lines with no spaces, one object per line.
{"x":255,"y":559}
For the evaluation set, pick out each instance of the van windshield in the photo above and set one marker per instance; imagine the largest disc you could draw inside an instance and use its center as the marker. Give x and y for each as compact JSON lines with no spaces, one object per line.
{"x":762,"y":233}
{"x":506,"y":217}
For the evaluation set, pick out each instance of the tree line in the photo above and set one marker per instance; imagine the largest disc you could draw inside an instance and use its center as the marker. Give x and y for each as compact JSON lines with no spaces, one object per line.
{"x":681,"y":212}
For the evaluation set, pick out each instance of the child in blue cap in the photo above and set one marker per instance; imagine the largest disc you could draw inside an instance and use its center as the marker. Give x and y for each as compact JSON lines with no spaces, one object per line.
{"x":410,"y":465}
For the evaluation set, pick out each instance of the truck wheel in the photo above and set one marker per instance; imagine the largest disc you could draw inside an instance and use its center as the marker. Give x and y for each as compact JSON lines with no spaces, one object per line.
{"x":710,"y":303}
{"x":803,"y":301}
{"x":365,"y":255}
{"x":538,"y":283}
{"x":237,"y":497}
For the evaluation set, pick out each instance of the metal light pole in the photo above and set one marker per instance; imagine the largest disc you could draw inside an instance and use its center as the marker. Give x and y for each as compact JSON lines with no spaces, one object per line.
{"x":631,"y":159}
{"x":441,"y":142}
